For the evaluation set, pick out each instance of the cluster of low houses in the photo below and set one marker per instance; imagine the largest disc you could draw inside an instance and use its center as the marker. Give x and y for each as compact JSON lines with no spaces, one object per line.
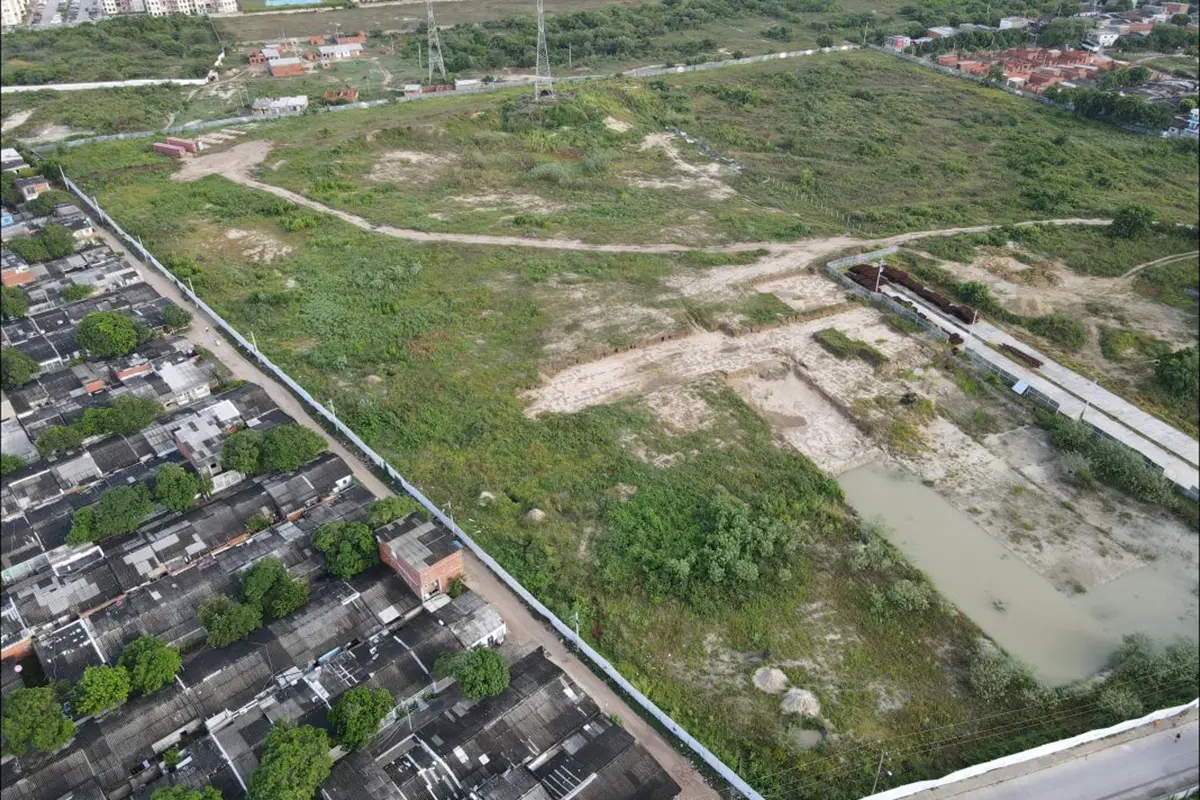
{"x":289,"y":57}
{"x":1109,"y":26}
{"x":66,"y":607}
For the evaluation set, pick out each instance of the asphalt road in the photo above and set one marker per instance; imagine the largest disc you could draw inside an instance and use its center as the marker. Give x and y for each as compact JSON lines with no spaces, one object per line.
{"x":1148,"y":768}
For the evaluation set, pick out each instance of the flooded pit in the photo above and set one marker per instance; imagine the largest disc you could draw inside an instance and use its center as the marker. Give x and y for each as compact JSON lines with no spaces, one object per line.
{"x":1061,"y":638}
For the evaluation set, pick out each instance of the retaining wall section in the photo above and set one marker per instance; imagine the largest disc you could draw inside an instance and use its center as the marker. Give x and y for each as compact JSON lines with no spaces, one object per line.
{"x":378,"y":461}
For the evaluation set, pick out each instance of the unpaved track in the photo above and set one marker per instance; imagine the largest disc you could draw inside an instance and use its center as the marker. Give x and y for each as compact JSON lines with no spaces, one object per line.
{"x":236,"y":163}
{"x":1159,"y":262}
{"x":523,"y":627}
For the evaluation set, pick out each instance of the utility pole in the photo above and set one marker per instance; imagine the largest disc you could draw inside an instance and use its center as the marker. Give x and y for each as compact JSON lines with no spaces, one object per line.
{"x":253,"y":341}
{"x":434,"y":44}
{"x":193,"y":288}
{"x":419,"y":64}
{"x":570,"y":61}
{"x":543,"y":84}
{"x":575,"y":617}
{"x":878,"y":768}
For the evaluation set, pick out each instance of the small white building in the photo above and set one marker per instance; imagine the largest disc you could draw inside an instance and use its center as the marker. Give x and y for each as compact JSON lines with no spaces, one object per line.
{"x":897,"y":43}
{"x":279,"y":106}
{"x":1103,"y":37}
{"x":1009,"y":23}
{"x":11,"y":160}
{"x":340,"y":52}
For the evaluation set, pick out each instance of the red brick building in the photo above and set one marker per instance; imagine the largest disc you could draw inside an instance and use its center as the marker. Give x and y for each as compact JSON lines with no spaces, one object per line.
{"x":423,"y":553}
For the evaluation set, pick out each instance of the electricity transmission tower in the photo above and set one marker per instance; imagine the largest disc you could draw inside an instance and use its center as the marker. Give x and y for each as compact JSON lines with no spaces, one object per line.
{"x":435,"y":46}
{"x":543,"y":84}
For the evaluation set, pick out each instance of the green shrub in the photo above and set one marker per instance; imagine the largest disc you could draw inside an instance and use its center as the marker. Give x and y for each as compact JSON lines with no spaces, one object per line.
{"x":1060,"y":329}
{"x":355,"y":718}
{"x":120,"y":510}
{"x":388,"y":509}
{"x":108,"y":334}
{"x":228,"y":621}
{"x":478,"y":673}
{"x":349,"y":548}
{"x":995,"y":676}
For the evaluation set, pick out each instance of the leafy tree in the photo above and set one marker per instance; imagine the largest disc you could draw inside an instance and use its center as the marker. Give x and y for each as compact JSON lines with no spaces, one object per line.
{"x":289,"y":595}
{"x":241,"y":452}
{"x":77,"y":291}
{"x":356,"y":717}
{"x":295,"y":763}
{"x":16,"y":368}
{"x":257,"y":522}
{"x":59,"y":439}
{"x":391,"y":508}
{"x":150,"y":663}
{"x":13,"y":303}
{"x":175,"y":487}
{"x":1179,"y":373}
{"x":100,"y":689}
{"x":120,"y":510}
{"x":824,"y":40}
{"x":10,"y":463}
{"x":34,"y":720}
{"x":43,"y":205}
{"x":286,"y":448}
{"x":58,"y":241}
{"x":479,"y":673}
{"x":176,"y":318}
{"x":349,"y":548}
{"x":228,"y":621}
{"x":107,"y":334}
{"x":1132,"y":221}
{"x":186,"y":793}
{"x":132,"y":414}
{"x":975,"y":293}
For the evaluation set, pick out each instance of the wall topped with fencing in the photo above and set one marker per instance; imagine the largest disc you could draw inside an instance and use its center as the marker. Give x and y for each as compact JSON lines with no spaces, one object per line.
{"x":378,"y":461}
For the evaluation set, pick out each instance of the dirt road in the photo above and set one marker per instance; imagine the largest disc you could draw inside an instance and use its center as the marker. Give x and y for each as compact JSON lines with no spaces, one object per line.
{"x":523,"y":626}
{"x":1158,"y":262}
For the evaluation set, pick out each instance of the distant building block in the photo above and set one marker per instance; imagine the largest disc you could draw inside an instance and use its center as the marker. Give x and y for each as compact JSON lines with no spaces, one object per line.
{"x":30,"y":188}
{"x":186,"y":144}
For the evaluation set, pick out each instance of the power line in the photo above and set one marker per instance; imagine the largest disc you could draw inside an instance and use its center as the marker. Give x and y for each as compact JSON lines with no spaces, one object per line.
{"x":543,"y":84}
{"x":435,"y":45}
{"x":920,"y":748}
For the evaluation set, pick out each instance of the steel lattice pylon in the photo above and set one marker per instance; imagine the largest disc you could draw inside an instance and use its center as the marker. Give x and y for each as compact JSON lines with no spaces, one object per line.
{"x":543,"y":84}
{"x":435,"y":46}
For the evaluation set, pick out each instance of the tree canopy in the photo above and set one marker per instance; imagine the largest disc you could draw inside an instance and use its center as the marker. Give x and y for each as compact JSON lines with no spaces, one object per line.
{"x":13,"y":303}
{"x":186,"y":793}
{"x":107,"y":334}
{"x":120,"y":510}
{"x":175,"y":487}
{"x":349,"y":548}
{"x":227,"y":620}
{"x":286,"y":448}
{"x":100,"y":689}
{"x":356,"y":717}
{"x":150,"y":663}
{"x":34,"y":720}
{"x":16,"y":368}
{"x":391,"y":508}
{"x":295,"y":763}
{"x":1179,"y":373}
{"x":268,"y":586}
{"x":176,"y":317}
{"x":241,"y":452}
{"x":1132,"y":221}
{"x":479,"y":673}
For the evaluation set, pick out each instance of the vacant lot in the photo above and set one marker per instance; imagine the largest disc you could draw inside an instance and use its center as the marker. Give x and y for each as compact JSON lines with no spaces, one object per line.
{"x":704,"y":553}
{"x":111,"y":50}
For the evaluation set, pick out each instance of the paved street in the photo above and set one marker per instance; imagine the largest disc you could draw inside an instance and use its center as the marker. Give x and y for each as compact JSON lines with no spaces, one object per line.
{"x":1145,"y":768}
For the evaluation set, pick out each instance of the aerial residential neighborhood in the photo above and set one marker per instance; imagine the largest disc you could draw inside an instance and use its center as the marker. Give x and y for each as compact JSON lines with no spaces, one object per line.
{"x":638,"y":400}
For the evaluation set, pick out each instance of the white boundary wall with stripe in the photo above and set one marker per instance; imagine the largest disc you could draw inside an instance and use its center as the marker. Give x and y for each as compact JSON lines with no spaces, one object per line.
{"x":1029,"y":755}
{"x":563,"y":629}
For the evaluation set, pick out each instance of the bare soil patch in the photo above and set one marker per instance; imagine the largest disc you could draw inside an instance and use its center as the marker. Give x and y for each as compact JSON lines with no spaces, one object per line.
{"x":260,"y":247}
{"x":235,"y":163}
{"x":509,"y":201}
{"x":706,"y":177}
{"x":15,"y":120}
{"x":614,"y":124}
{"x":397,"y":166}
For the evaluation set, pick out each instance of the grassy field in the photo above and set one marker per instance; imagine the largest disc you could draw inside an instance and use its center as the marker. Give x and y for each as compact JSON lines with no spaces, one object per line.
{"x":425,"y":349}
{"x":112,"y":49}
{"x":1171,"y":283}
{"x":100,"y":111}
{"x":1180,"y":66}
{"x":825,"y":144}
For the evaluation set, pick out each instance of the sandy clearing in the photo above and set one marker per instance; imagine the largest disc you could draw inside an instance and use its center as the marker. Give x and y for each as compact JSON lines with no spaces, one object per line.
{"x":807,"y":421}
{"x":805,"y":292}
{"x":236,"y":163}
{"x":614,"y":124}
{"x":15,"y":120}
{"x":704,"y":177}
{"x":681,"y":408}
{"x":397,"y":166}
{"x":259,"y":247}
{"x":633,"y":372}
{"x":508,"y":201}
